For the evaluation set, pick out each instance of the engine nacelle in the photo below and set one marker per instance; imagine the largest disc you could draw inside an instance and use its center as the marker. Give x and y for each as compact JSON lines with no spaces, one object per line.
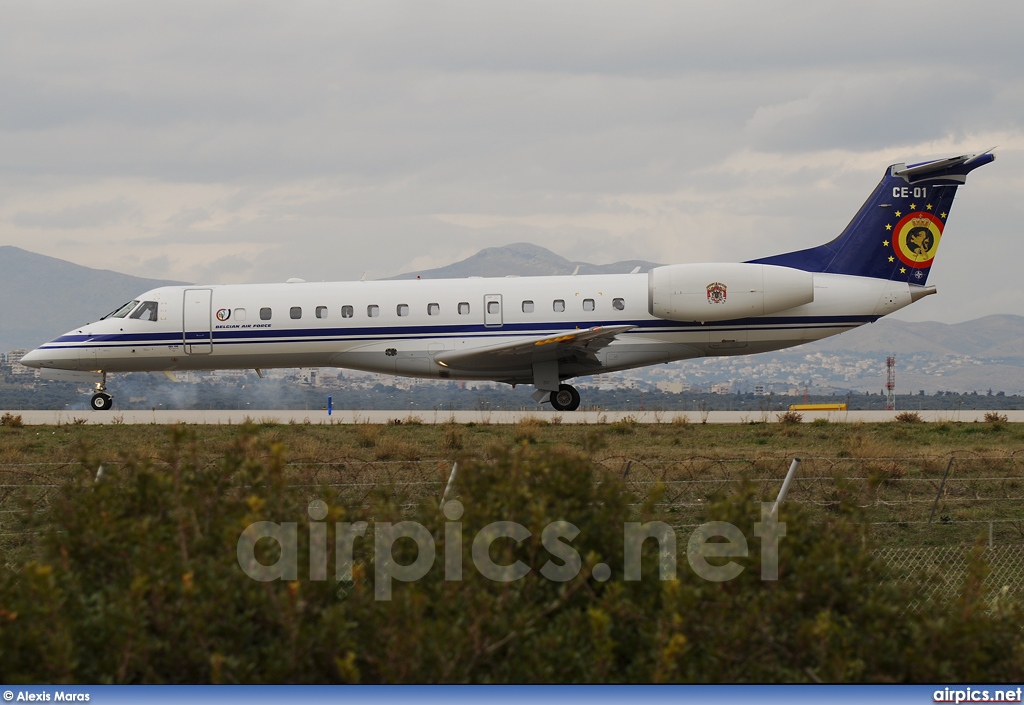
{"x":726,"y":290}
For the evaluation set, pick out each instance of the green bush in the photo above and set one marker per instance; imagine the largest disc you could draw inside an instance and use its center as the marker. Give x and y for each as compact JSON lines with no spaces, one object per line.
{"x":829,"y":618}
{"x":135,"y":580}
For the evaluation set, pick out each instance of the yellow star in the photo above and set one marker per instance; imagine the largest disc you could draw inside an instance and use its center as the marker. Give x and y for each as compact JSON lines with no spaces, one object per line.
{"x":903,"y":270}
{"x":898,"y":214}
{"x":929,"y":206}
{"x":888,"y":227}
{"x":885,"y":243}
{"x":942,"y":215}
{"x":891,"y":259}
{"x":913,"y":206}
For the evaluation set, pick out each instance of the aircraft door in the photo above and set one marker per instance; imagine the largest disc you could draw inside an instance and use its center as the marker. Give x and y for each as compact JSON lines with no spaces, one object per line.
{"x":197,"y":328}
{"x":492,"y":310}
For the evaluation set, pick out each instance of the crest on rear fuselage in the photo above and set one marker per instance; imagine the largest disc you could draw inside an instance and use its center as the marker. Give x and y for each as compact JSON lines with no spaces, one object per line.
{"x":716,"y":293}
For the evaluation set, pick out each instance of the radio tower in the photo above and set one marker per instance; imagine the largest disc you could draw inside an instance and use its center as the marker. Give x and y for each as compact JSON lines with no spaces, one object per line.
{"x":890,"y":383}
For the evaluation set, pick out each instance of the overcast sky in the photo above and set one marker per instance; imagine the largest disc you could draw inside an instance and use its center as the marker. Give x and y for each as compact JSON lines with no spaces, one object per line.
{"x":255,"y":141}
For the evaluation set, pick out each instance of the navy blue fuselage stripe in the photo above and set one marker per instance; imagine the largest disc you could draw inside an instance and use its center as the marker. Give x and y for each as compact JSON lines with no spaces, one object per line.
{"x":326,"y":335}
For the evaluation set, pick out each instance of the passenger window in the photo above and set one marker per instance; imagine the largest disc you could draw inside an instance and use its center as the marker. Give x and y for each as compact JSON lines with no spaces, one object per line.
{"x":463,"y":309}
{"x":493,"y":307}
{"x":146,"y":312}
{"x":527,"y":307}
{"x":558,"y":306}
{"x":265,"y":314}
{"x":321,"y":312}
{"x":373,"y":310}
{"x":619,"y":304}
{"x":403,"y":309}
{"x":588,"y":304}
{"x":239,"y":314}
{"x":346,"y":312}
{"x":295,"y":312}
{"x":433,"y":309}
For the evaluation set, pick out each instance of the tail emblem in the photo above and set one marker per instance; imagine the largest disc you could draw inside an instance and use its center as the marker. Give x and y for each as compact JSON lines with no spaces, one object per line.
{"x":716,"y":293}
{"x":916,"y":239}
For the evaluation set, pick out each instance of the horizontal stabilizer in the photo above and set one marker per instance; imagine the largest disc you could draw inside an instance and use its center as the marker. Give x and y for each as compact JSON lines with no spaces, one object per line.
{"x":953,"y":168}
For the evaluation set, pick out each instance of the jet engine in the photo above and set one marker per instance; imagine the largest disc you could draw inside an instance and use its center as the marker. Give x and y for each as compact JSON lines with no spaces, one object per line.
{"x":726,"y":290}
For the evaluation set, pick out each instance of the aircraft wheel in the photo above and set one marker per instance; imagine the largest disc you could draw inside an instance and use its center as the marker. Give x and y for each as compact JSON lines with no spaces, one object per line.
{"x":566,"y":398}
{"x":101,"y":401}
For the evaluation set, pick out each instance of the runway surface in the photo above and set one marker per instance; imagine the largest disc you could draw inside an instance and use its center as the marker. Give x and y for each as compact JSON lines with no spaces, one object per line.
{"x":229,"y":417}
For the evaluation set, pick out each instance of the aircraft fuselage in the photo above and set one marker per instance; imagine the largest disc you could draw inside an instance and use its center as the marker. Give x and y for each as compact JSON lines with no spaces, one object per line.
{"x":400,"y":327}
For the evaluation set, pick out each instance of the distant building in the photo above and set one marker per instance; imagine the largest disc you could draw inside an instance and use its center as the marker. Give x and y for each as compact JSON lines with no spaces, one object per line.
{"x":758,"y":390}
{"x":14,"y":360}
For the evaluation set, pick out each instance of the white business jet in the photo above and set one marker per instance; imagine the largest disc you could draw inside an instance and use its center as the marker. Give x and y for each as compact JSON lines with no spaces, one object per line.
{"x":539,"y":331}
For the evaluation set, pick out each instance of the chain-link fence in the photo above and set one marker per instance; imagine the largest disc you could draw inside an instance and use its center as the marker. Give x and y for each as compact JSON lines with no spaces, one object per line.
{"x":925,"y":513}
{"x":907,"y":495}
{"x":939,"y":573}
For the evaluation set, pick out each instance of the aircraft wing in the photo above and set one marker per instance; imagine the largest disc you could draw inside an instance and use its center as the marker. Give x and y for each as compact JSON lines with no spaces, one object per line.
{"x":582,"y":343}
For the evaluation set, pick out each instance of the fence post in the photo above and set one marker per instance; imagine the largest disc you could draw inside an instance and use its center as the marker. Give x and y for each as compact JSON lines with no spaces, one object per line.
{"x":785,"y":487}
{"x":448,"y":487}
{"x":941,"y":485}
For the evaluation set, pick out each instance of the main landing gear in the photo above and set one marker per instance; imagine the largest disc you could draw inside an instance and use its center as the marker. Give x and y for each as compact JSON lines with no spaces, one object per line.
{"x":101,"y":401}
{"x":566,"y":398}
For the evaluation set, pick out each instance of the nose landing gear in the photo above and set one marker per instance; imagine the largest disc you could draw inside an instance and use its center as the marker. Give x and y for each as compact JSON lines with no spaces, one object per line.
{"x":101,"y":401}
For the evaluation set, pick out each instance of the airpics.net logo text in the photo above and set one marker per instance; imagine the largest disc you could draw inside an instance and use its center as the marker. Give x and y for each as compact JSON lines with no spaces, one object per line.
{"x":717,"y":540}
{"x":976,"y":695}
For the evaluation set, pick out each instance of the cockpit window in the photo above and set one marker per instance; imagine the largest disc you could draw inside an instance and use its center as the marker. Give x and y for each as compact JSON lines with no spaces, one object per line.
{"x":122,"y":311}
{"x":146,"y":312}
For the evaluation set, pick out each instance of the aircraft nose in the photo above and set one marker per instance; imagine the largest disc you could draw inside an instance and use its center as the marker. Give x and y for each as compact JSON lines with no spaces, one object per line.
{"x":33,"y":358}
{"x":51,"y":358}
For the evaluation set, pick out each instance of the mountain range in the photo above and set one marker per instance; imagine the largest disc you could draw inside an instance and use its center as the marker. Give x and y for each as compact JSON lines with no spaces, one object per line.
{"x":976,"y":355}
{"x":45,"y":296}
{"x":524,"y":260}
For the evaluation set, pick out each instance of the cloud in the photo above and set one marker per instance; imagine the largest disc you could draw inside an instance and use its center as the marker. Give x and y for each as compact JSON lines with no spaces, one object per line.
{"x":235,"y":141}
{"x":873,"y":109}
{"x":86,"y":215}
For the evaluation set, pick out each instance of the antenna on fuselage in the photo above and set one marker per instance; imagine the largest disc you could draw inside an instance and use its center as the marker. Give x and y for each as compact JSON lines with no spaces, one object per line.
{"x":636,"y":269}
{"x":575,"y":271}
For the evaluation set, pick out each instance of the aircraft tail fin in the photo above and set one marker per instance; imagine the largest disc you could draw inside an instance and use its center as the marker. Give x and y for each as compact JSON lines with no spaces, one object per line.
{"x":896,"y":233}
